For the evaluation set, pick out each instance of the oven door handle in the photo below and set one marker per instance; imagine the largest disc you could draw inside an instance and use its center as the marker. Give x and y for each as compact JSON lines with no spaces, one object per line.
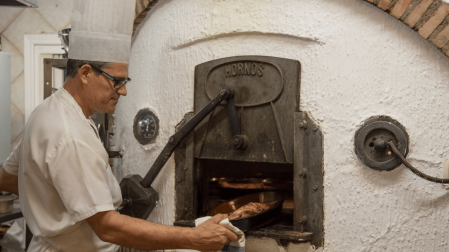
{"x":238,"y":140}
{"x":139,"y":198}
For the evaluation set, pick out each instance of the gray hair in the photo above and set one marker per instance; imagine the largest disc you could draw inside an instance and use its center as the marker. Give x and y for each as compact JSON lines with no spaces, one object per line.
{"x":73,"y":65}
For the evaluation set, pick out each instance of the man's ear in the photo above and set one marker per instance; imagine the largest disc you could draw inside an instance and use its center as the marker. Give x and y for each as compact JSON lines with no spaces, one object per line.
{"x":84,"y":71}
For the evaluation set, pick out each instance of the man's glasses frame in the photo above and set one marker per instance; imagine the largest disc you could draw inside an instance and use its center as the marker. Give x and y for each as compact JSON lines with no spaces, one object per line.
{"x":117,"y":83}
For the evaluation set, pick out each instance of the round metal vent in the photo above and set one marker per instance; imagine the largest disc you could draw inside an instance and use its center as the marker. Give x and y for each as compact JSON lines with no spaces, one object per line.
{"x":146,"y":126}
{"x":371,"y":143}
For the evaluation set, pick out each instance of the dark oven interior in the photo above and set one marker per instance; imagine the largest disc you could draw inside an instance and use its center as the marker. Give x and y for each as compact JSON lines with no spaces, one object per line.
{"x":224,"y":180}
{"x":284,"y":152}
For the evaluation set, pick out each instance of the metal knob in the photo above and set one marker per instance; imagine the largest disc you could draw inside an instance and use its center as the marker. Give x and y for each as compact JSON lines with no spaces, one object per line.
{"x":240,"y":141}
{"x":226,"y":93}
{"x":380,"y":145}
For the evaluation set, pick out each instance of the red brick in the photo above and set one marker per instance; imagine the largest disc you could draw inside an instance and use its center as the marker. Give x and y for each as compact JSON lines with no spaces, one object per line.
{"x":383,"y":4}
{"x":417,"y":13}
{"x":442,"y":38}
{"x":430,"y":25}
{"x":399,"y":8}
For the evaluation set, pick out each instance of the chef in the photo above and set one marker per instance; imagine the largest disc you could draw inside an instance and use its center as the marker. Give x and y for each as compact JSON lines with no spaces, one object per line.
{"x":68,"y":194}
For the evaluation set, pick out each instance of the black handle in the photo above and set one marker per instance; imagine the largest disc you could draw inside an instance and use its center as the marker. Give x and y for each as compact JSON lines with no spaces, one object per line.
{"x":175,"y":140}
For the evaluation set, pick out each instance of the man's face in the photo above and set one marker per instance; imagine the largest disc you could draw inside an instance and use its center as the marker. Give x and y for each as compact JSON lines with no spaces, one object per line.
{"x":100,"y":92}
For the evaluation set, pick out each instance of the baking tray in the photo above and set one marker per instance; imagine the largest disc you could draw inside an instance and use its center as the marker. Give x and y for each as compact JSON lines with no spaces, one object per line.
{"x":255,"y":221}
{"x":254,"y":184}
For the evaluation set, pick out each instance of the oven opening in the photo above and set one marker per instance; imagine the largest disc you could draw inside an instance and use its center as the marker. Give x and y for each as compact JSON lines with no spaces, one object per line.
{"x":223,"y":180}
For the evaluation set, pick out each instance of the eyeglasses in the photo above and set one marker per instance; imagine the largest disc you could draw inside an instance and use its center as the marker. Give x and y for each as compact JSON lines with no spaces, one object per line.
{"x":117,"y":83}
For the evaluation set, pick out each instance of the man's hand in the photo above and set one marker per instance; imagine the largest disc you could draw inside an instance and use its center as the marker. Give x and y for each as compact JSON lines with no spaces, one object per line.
{"x":211,"y":236}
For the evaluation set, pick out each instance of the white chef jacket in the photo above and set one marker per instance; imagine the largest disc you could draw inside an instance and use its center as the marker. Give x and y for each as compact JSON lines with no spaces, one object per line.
{"x":64,"y":177}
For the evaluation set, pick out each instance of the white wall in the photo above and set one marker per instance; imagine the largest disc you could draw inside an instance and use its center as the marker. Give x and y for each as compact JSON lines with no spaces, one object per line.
{"x":51,"y":17}
{"x":357,"y":62}
{"x":5,"y":106}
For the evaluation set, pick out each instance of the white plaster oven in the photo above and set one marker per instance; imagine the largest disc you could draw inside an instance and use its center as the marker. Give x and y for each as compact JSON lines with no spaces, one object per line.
{"x":356,"y":62}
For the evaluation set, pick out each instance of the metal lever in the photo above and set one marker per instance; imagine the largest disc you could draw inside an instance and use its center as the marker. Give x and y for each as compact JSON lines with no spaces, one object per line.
{"x":239,"y":141}
{"x":139,"y":198}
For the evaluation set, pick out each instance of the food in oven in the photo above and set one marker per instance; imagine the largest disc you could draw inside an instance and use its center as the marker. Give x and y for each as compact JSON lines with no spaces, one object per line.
{"x":252,"y":208}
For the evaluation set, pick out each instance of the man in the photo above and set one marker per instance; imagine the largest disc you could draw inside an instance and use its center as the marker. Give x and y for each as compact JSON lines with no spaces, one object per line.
{"x":68,"y":193}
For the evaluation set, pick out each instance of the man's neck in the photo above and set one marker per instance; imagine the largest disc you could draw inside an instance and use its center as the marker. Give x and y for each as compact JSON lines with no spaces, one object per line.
{"x":75,"y":89}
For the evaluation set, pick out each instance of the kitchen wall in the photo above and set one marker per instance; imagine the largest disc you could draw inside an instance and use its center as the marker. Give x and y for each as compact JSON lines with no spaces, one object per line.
{"x":51,"y":17}
{"x":357,"y":62}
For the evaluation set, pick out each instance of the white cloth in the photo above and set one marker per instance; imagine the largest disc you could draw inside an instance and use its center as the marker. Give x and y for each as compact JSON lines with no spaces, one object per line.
{"x":101,"y":30}
{"x":234,"y":246}
{"x":64,"y":177}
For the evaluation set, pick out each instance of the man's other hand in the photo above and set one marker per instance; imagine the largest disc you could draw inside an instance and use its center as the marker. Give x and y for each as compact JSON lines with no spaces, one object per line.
{"x":8,"y":182}
{"x":211,"y":236}
{"x":141,"y":234}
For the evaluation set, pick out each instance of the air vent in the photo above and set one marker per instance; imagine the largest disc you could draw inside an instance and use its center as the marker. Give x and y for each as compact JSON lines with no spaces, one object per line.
{"x":19,"y":3}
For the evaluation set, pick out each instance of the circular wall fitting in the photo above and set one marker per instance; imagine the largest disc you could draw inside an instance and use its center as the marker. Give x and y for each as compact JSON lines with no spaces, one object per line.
{"x":145,"y":126}
{"x":371,"y":143}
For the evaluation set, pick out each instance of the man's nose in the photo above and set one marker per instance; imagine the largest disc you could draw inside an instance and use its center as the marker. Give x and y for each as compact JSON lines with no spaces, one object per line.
{"x":122,"y":90}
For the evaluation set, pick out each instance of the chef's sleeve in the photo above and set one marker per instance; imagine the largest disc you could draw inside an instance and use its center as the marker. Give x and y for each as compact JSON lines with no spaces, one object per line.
{"x":11,"y":164}
{"x":80,"y":176}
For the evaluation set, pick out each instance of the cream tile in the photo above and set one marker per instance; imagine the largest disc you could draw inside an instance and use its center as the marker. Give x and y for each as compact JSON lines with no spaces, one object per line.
{"x":56,"y":12}
{"x":18,"y":94}
{"x":17,"y":122}
{"x":8,"y":14}
{"x":28,"y":22}
{"x":16,"y":58}
{"x":16,"y":141}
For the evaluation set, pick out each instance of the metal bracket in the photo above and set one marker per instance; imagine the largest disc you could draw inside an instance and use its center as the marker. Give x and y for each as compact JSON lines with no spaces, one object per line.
{"x":308,"y":179}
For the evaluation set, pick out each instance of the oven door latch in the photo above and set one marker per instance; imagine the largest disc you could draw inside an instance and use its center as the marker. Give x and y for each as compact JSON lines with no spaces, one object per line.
{"x":139,"y":198}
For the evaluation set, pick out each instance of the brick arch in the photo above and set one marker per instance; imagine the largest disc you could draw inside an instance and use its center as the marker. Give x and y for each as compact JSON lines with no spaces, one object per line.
{"x":429,"y":18}
{"x":142,"y":9}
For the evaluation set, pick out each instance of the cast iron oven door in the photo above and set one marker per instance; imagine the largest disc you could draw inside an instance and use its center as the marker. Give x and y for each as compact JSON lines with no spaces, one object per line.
{"x":266,"y":97}
{"x":267,"y":102}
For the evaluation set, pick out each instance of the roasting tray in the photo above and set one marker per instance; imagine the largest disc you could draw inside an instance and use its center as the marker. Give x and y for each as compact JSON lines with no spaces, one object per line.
{"x":255,"y":221}
{"x":254,"y":184}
